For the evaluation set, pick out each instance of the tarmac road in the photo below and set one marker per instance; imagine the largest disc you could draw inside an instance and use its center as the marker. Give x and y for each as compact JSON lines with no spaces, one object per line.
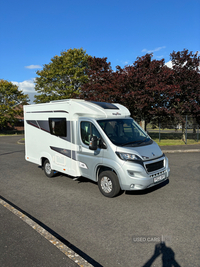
{"x":123,"y":231}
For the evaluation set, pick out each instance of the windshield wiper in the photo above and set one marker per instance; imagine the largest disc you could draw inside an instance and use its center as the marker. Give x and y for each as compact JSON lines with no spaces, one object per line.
{"x":143,"y":140}
{"x":135,"y":142}
{"x":129,"y":143}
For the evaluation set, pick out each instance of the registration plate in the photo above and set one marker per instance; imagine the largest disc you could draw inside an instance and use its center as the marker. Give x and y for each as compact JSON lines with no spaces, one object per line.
{"x":159,"y":178}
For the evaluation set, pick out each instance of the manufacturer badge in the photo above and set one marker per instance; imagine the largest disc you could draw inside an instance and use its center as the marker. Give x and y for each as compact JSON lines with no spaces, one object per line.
{"x":117,"y":113}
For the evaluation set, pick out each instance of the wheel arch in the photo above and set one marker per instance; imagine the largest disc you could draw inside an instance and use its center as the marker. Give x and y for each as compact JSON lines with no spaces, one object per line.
{"x":102,"y":168}
{"x":44,"y":156}
{"x":42,"y":160}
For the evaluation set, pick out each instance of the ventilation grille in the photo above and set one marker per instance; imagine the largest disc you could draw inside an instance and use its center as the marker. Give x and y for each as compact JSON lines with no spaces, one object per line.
{"x":155,"y":166}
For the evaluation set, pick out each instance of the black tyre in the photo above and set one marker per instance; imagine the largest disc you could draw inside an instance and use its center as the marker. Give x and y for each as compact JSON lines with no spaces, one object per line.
{"x":108,"y":184}
{"x":47,"y":169}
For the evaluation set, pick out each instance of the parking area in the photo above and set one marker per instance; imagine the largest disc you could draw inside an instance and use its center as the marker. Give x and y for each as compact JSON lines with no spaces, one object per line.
{"x":156,"y":227}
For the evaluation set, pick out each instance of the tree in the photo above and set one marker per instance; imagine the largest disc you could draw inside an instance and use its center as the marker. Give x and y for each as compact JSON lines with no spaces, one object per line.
{"x":62,"y":77}
{"x":186,"y":67}
{"x":145,"y":87}
{"x":10,"y":97}
{"x":148,"y":89}
{"x":101,"y":85}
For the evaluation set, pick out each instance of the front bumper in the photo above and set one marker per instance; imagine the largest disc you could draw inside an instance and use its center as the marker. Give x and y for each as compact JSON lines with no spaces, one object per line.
{"x":136,"y":177}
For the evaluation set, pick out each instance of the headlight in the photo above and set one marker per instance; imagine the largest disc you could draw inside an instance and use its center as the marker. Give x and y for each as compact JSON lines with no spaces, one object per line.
{"x":131,"y":157}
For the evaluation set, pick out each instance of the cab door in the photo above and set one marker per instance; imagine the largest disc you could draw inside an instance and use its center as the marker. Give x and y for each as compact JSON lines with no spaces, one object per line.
{"x":89,"y":159}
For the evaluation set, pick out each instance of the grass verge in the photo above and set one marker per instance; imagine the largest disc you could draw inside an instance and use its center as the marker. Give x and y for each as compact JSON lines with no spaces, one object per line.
{"x":169,"y":142}
{"x":174,"y":139}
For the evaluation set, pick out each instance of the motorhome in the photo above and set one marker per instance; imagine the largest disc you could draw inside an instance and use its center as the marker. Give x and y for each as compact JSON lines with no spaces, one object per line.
{"x":96,"y":140}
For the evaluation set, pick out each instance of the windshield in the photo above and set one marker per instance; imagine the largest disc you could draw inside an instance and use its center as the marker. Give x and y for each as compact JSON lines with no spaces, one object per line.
{"x":124,"y":132}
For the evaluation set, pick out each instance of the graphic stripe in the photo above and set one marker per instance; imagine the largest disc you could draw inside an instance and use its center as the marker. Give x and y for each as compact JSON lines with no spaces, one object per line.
{"x":50,"y":111}
{"x":66,"y":152}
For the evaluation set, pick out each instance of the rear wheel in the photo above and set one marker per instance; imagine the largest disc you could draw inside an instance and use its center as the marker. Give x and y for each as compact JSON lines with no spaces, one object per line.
{"x":108,"y":184}
{"x":47,"y":169}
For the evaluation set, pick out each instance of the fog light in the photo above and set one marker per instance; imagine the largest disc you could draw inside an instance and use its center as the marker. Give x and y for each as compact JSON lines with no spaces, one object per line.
{"x":132,"y":186}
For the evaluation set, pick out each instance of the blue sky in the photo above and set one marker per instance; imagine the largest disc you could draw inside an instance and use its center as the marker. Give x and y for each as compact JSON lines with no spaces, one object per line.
{"x":32,"y":32}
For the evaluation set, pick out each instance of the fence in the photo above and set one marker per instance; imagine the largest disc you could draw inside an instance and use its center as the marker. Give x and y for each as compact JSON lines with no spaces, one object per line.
{"x":185,"y":128}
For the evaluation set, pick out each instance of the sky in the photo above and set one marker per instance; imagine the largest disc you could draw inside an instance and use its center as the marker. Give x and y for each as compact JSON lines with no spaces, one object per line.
{"x":33,"y":32}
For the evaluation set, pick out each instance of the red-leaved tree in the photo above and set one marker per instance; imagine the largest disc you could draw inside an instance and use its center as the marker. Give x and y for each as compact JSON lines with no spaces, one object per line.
{"x":186,"y":67}
{"x":149,"y":89}
{"x":101,"y":83}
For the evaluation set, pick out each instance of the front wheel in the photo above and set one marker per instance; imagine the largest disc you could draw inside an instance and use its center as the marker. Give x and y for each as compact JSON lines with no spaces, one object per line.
{"x":47,"y":169}
{"x":108,"y":184}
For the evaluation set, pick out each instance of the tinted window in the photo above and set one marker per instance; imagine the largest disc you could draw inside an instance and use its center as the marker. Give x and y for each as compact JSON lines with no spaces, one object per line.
{"x":58,"y":126}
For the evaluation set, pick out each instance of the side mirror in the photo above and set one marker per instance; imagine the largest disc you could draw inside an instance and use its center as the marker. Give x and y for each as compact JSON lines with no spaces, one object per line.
{"x":102,"y":144}
{"x":93,"y":143}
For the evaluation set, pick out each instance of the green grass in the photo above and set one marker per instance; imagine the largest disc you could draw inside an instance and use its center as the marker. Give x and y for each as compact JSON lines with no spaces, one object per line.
{"x":170,"y":142}
{"x":174,"y":139}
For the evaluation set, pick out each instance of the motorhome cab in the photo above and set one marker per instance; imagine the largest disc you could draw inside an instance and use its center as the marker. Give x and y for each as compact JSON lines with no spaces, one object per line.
{"x":96,"y":140}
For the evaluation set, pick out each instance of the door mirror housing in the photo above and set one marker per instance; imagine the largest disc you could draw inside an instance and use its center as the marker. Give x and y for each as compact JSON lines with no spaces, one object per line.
{"x":93,"y":143}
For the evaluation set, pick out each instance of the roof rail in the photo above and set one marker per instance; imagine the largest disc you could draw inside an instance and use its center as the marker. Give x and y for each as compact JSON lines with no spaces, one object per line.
{"x":60,"y":100}
{"x":64,"y":100}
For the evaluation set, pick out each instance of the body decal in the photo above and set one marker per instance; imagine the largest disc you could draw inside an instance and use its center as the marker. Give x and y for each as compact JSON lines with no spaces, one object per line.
{"x":66,"y":152}
{"x":50,"y":111}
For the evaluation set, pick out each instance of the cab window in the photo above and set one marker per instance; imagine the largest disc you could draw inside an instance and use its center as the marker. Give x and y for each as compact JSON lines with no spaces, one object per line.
{"x":88,"y":130}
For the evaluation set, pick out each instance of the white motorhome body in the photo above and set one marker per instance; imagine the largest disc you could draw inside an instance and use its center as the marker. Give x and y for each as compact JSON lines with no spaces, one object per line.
{"x":96,"y":140}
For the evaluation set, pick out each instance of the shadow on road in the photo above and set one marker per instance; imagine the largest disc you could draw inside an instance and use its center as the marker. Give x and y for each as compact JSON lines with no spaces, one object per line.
{"x":168,"y":256}
{"x":148,"y":190}
{"x":59,"y":237}
{"x":79,"y":180}
{"x":82,"y":179}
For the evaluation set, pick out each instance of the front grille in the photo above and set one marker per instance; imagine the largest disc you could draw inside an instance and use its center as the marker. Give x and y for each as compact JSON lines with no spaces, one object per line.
{"x":155,"y":166}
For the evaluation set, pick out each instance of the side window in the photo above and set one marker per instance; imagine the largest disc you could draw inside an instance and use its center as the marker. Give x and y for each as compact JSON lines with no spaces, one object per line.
{"x":58,"y":126}
{"x":85,"y":132}
{"x":95,"y":131}
{"x":88,"y":130}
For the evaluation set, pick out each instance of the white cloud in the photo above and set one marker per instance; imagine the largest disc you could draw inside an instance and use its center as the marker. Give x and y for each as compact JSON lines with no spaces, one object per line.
{"x":160,"y":57}
{"x":31,"y":67}
{"x":154,"y":50}
{"x":27,"y":86}
{"x":169,"y":64}
{"x":126,"y":62}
